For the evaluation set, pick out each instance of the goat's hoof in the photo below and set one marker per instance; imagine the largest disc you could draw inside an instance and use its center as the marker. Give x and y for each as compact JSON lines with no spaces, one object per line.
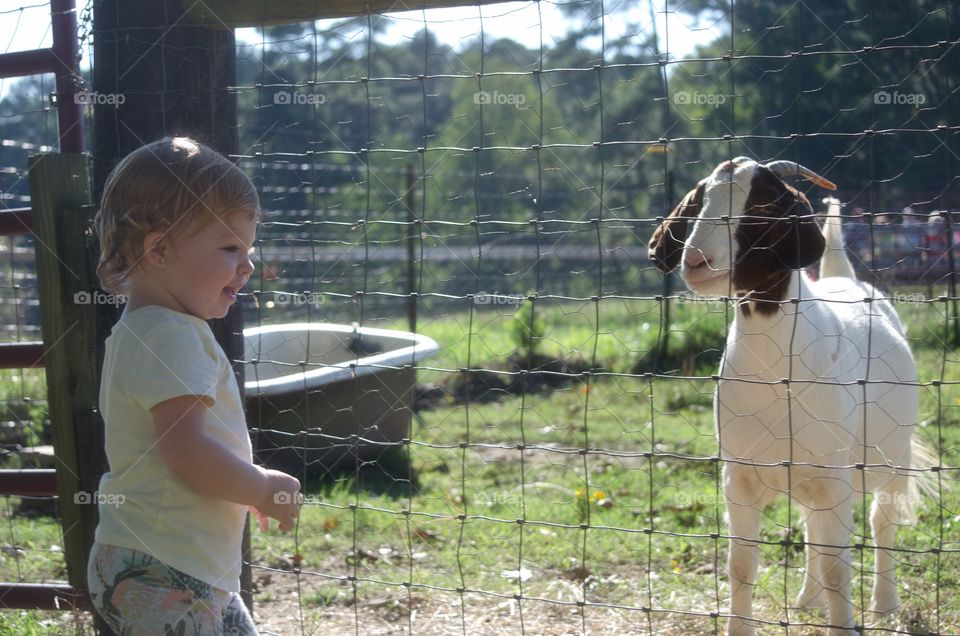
{"x":741,"y":631}
{"x":883,"y":606}
{"x":740,"y":627}
{"x":812,"y":600}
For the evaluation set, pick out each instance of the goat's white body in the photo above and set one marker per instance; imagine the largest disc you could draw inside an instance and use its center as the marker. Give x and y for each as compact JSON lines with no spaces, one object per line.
{"x":825,"y":345}
{"x":817,"y":399}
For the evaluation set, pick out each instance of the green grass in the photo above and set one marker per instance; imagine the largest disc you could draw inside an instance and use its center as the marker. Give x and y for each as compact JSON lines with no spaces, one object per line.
{"x":612,"y":334}
{"x":523,"y":510}
{"x":500,"y":487}
{"x":35,"y":623}
{"x":500,"y":490}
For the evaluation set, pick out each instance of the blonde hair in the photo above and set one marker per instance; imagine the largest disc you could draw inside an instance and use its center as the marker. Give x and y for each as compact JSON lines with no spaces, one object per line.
{"x":175,"y":185}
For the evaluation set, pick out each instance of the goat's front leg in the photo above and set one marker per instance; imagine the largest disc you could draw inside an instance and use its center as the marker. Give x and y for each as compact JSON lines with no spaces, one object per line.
{"x":829,"y":531}
{"x":744,"y":505}
{"x":811,"y":595}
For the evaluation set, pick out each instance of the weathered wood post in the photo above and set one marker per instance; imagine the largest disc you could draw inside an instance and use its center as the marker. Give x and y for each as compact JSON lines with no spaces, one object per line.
{"x":60,"y":198}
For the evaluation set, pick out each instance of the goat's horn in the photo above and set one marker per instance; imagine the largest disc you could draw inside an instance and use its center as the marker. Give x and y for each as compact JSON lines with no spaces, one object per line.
{"x":784,"y":168}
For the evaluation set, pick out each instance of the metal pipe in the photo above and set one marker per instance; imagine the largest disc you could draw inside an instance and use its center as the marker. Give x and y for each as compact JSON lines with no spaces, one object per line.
{"x":63,"y":18}
{"x":29,"y":482}
{"x":21,"y":355}
{"x":42,"y":596}
{"x":15,"y":221}
{"x":21,"y":63}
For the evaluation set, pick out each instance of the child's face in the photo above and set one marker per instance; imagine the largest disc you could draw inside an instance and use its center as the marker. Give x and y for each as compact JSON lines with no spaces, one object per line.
{"x":207,"y":268}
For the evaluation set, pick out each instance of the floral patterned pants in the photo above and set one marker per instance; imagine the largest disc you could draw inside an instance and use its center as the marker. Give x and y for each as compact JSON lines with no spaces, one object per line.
{"x":139,"y":596}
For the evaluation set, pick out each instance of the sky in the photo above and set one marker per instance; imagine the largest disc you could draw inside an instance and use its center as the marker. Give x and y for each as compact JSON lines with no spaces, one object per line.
{"x":25,"y":25}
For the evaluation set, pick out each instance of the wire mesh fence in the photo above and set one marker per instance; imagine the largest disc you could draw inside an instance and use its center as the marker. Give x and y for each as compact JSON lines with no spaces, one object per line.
{"x":552,"y":465}
{"x":561,"y":472}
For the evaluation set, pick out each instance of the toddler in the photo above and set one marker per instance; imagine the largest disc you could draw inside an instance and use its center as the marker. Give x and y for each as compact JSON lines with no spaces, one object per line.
{"x":176,"y":227}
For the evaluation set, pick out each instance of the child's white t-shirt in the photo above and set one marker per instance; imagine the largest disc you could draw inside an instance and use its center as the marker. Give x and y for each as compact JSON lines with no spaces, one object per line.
{"x":154,"y":354}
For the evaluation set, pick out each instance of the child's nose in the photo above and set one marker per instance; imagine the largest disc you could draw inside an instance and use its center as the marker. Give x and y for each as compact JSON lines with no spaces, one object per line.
{"x":247,"y":267}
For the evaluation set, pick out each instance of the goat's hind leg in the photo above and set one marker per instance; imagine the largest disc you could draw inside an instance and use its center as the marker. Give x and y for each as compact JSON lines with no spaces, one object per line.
{"x":812,"y":595}
{"x":884,"y":515}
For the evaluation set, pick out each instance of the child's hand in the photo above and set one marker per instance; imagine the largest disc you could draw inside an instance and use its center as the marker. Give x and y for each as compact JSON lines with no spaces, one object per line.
{"x":281,"y":501}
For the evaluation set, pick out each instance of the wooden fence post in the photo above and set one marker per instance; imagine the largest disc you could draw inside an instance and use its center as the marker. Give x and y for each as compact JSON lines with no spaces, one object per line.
{"x":60,"y":198}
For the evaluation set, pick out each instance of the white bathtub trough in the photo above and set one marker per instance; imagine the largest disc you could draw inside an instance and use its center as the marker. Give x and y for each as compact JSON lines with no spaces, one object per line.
{"x":321,"y":394}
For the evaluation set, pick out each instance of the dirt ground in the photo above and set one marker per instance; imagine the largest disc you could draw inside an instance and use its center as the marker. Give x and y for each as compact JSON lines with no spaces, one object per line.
{"x":288,"y":605}
{"x":431,"y":613}
{"x":436,"y":613}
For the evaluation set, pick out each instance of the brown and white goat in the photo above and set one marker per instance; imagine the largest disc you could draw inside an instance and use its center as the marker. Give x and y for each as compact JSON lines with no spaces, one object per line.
{"x":817,"y":394}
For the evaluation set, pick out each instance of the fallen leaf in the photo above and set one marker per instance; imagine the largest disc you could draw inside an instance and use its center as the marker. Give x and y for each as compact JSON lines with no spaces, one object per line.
{"x":427,"y":535}
{"x":523,"y":574}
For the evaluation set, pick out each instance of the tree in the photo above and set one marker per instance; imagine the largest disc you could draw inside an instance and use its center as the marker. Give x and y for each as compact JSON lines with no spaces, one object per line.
{"x":847,"y":88}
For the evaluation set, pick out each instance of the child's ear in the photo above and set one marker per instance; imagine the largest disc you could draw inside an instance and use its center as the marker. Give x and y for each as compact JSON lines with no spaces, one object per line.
{"x":155,"y":248}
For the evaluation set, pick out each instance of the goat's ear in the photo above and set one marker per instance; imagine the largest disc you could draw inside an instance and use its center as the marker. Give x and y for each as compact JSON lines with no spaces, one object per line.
{"x":804,"y":243}
{"x":778,"y":229}
{"x":666,"y":244}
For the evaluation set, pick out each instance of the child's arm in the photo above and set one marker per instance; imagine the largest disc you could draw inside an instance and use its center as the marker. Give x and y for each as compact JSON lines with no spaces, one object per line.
{"x":209,"y":468}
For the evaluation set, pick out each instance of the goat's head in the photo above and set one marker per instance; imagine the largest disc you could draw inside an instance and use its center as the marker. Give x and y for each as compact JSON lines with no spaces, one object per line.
{"x":749,"y":231}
